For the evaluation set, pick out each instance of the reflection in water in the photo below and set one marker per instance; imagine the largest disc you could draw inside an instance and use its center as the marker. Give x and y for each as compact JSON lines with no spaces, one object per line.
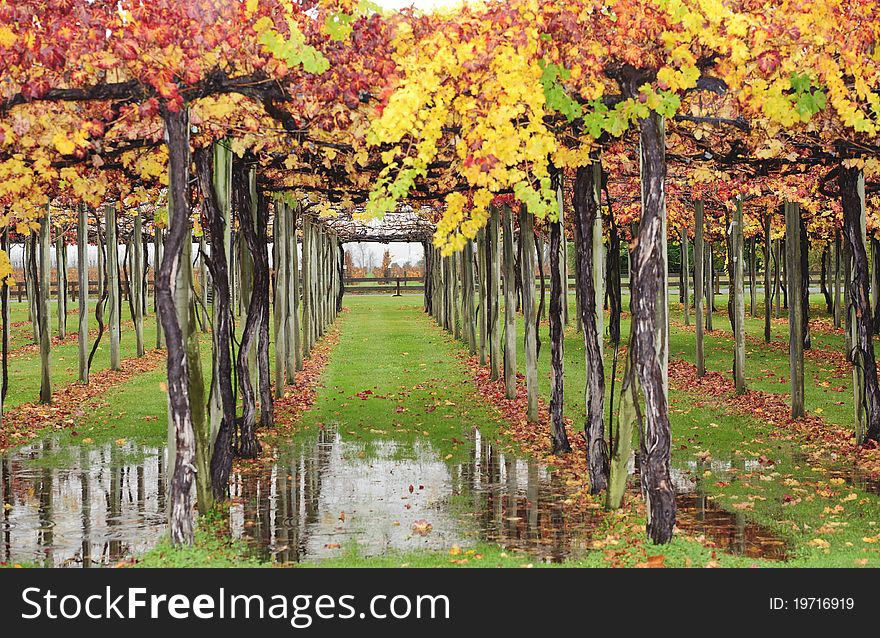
{"x":322,"y":497}
{"x":325,"y":496}
{"x":698,"y":514}
{"x":730,"y":531}
{"x":318,"y":499}
{"x":99,"y":508}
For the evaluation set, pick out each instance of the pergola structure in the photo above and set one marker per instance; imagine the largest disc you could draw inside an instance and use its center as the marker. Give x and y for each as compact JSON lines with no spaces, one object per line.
{"x":403,"y":225}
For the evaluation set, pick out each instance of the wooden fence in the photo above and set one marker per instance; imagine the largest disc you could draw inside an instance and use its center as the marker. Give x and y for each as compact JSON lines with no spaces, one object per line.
{"x":380,"y":285}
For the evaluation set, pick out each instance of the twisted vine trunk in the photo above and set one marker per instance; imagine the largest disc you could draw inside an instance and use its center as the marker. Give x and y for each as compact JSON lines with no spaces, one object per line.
{"x":82,"y":266}
{"x":699,"y":281}
{"x":647,"y":276}
{"x":530,"y":314}
{"x":804,"y":279}
{"x":615,"y":302}
{"x":429,"y":281}
{"x":557,"y":343}
{"x":113,"y":296}
{"x":875,"y":283}
{"x":586,"y":207}
{"x":177,"y":136}
{"x":261,"y":290}
{"x":509,"y":306}
{"x":222,"y":454}
{"x":43,"y":311}
{"x":867,"y":394}
{"x":823,"y":277}
{"x":738,"y":294}
{"x":795,"y":308}
{"x":248,"y":445}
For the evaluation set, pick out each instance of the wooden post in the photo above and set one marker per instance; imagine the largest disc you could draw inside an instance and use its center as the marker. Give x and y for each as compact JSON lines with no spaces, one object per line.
{"x":467,"y":290}
{"x":307,"y":287}
{"x":710,"y":287}
{"x":795,"y":308}
{"x":440,"y":288}
{"x":563,"y":250}
{"x":449,"y":293}
{"x":61,"y":277}
{"x":483,"y":318}
{"x":31,"y":284}
{"x":838,"y":311}
{"x":294,"y":338}
{"x":113,"y":296}
{"x":685,"y":276}
{"x":847,"y":270}
{"x":158,"y":234}
{"x":777,"y":275}
{"x":736,"y":243}
{"x":494,"y":292}
{"x":509,"y":306}
{"x":82,"y":267}
{"x":455,"y":263}
{"x":753,"y":275}
{"x":43,"y":309}
{"x":699,"y":280}
{"x":279,"y":305}
{"x":527,"y":240}
{"x":5,"y":316}
{"x":135,"y":283}
{"x":768,"y":293}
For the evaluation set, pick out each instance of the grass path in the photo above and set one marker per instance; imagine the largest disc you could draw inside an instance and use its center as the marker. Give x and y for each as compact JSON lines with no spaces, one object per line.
{"x":395,"y":376}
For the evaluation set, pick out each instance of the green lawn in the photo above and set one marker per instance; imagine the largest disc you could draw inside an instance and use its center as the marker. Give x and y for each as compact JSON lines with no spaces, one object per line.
{"x":24,"y":365}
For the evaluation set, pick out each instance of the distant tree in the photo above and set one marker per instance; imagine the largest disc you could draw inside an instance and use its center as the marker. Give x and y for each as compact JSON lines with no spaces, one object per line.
{"x":349,"y":264}
{"x":384,"y":270}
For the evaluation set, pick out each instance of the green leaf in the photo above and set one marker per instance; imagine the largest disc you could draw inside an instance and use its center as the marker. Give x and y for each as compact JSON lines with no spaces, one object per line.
{"x":557,"y":99}
{"x":338,"y":26}
{"x":800,"y":82}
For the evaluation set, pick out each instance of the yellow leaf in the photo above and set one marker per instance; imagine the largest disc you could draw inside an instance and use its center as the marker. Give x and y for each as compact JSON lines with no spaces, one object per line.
{"x":63,"y":144}
{"x":7,"y":37}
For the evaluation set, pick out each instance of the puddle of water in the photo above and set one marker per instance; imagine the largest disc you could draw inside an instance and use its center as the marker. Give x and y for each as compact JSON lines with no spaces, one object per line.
{"x":730,"y":531}
{"x":697,"y":514}
{"x":318,"y":499}
{"x":325,"y":496}
{"x":101,"y":507}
